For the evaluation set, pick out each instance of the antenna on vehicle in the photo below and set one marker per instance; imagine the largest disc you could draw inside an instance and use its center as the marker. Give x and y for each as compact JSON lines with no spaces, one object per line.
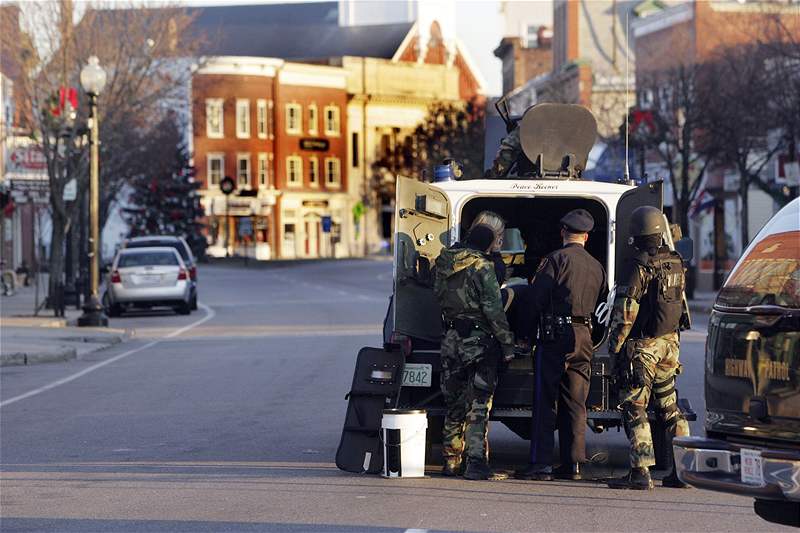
{"x":627,"y":90}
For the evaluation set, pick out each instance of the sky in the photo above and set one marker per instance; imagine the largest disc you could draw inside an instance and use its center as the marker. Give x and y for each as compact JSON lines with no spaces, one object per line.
{"x":479,"y":26}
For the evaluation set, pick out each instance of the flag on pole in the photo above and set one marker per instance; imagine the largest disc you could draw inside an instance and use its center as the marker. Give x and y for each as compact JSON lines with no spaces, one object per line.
{"x":701,"y":200}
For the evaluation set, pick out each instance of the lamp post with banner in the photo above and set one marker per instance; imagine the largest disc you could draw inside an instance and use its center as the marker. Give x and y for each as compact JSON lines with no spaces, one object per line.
{"x":93,"y":79}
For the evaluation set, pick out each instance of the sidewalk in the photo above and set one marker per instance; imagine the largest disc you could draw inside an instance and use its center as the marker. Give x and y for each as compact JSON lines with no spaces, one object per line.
{"x":26,"y":339}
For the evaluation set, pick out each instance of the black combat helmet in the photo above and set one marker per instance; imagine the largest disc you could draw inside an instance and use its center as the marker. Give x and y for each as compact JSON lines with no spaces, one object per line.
{"x":646,"y":220}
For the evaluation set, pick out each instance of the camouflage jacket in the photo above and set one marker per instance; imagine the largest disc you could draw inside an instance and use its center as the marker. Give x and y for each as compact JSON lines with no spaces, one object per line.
{"x":466,"y":287}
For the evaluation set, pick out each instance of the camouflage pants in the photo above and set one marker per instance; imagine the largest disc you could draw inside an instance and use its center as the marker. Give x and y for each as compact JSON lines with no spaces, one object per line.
{"x":655,"y":363}
{"x":468,"y":380}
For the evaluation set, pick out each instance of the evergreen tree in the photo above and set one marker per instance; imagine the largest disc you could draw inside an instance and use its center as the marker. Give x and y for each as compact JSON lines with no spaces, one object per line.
{"x":164,"y":198}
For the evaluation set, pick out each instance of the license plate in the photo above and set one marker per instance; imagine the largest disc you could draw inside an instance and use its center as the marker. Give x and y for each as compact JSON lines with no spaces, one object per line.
{"x":417,"y":375}
{"x":752,"y":467}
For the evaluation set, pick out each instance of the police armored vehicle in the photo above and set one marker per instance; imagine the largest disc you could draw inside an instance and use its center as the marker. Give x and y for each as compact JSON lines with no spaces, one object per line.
{"x":539,"y":167}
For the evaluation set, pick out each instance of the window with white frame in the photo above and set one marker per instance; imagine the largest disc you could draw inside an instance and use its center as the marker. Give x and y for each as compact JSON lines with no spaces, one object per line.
{"x":214,"y":124}
{"x":294,"y":171}
{"x":242,"y":118}
{"x":333,"y":174}
{"x":312,"y":119}
{"x":332,"y":120}
{"x":270,"y":120}
{"x":261,"y":119}
{"x":216,"y":168}
{"x":263,"y":173}
{"x":313,"y":171}
{"x":294,"y":119}
{"x":243,"y":170}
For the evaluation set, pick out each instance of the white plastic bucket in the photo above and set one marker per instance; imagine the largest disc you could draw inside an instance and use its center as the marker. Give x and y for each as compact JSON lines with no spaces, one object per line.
{"x":403,"y":437}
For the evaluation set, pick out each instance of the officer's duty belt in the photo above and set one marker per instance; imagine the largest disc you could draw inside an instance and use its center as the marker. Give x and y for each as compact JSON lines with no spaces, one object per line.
{"x":581,"y":320}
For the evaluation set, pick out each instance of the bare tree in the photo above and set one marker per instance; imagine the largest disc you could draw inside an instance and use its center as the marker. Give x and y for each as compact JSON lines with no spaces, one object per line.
{"x":145,"y":54}
{"x":669,"y":125}
{"x":740,"y":118}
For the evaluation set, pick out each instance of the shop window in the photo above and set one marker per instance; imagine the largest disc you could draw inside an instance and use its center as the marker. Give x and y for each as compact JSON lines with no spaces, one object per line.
{"x":312,"y":119}
{"x":261,"y":119}
{"x":294,"y":171}
{"x":242,"y":118}
{"x":294,"y":119}
{"x":243,"y":170}
{"x":333,"y":177}
{"x":332,"y":126}
{"x":313,"y":171}
{"x":214,"y":118}
{"x":216,"y":168}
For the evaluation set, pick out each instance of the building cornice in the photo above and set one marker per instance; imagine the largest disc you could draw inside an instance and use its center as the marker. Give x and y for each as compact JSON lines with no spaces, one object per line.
{"x":240,"y":65}
{"x":665,"y":19}
{"x":313,"y":76}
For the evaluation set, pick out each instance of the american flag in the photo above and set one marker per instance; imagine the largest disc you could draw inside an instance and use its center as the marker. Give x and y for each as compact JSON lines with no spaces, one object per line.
{"x":701,"y":200}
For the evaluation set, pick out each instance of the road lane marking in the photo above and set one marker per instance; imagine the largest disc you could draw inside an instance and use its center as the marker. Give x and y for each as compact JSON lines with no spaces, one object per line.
{"x":209,"y":315}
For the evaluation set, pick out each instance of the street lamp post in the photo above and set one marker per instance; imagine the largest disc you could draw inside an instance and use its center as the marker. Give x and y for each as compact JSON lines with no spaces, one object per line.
{"x":93,"y":79}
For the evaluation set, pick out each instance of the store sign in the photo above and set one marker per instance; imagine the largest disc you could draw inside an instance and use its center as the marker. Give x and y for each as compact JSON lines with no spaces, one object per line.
{"x":315,"y":145}
{"x":315,"y":203}
{"x":27,"y":159}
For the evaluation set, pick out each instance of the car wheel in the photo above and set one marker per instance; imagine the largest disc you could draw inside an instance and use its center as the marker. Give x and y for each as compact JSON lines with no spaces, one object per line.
{"x":114,"y":310}
{"x":184,"y":309}
{"x":194,"y":302}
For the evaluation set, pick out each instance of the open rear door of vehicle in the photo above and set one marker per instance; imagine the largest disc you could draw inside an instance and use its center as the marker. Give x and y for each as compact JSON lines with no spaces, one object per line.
{"x":422,"y":229}
{"x":651,"y":194}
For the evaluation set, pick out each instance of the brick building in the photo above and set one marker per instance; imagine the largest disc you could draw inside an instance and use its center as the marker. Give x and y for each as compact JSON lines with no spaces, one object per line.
{"x":395,"y":63}
{"x":277,"y":129}
{"x":693,"y":32}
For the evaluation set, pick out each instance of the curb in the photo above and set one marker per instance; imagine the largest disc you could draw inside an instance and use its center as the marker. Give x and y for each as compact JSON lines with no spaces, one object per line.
{"x":24,"y":359}
{"x":63,"y":353}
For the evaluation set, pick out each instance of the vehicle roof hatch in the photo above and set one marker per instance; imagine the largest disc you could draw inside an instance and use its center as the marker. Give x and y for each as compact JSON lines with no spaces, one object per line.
{"x":557,"y":138}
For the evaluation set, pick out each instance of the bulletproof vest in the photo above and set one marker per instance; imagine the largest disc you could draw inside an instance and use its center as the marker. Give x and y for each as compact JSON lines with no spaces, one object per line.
{"x":661,"y":305}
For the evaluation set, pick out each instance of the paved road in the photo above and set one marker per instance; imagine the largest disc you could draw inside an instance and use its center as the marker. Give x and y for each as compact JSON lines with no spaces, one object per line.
{"x":229,"y":419}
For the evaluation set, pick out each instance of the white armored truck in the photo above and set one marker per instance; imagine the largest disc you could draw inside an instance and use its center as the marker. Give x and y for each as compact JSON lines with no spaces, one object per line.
{"x":430,"y":216}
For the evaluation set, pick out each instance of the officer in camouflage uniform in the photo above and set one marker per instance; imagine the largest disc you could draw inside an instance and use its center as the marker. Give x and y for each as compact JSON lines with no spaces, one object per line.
{"x":644,"y":342}
{"x":477,"y":336}
{"x":509,"y":154}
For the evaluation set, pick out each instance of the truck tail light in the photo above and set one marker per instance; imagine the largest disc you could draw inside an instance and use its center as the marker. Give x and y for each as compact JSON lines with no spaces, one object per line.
{"x":115,"y":277}
{"x":193,"y":273}
{"x":181,"y":274}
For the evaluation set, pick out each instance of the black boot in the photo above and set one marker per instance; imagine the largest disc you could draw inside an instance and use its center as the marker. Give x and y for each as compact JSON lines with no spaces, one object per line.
{"x":636,"y":479}
{"x":477,"y":470}
{"x":673,"y":481}
{"x":568,"y":471}
{"x":535,"y":472}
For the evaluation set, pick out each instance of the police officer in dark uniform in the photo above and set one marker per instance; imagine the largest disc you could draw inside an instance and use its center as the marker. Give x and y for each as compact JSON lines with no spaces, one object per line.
{"x":565,"y":291}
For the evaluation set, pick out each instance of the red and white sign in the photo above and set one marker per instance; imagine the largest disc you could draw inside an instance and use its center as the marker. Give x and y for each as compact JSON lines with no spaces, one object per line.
{"x":26,"y":160}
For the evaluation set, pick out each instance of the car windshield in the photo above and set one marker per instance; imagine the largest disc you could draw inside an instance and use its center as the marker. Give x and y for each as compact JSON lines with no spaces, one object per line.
{"x":147,"y":259}
{"x":168,"y":244}
{"x":769,"y":275}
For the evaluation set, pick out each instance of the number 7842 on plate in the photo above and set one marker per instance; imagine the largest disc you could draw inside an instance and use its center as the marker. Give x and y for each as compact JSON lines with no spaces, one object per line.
{"x":417,"y":375}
